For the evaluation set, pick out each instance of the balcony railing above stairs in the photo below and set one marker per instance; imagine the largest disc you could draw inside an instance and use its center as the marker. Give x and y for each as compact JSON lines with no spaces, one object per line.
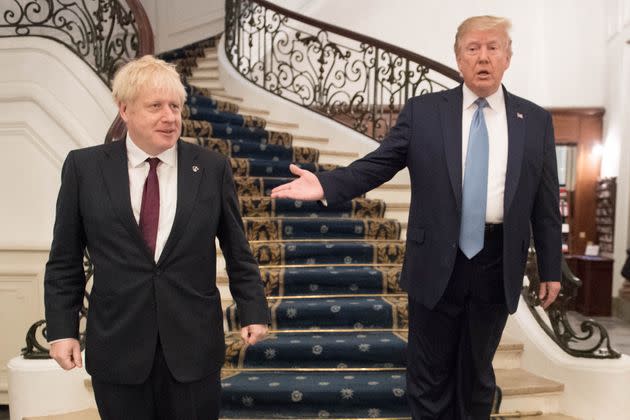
{"x":104,"y":34}
{"x":356,"y":80}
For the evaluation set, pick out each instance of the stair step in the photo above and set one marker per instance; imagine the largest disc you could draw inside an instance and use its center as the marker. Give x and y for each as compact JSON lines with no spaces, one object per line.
{"x":211,"y":52}
{"x":282,"y":125}
{"x":296,"y":350}
{"x":206,"y":73}
{"x":279,"y":228}
{"x":208,"y":83}
{"x":334,"y":312}
{"x":524,"y":391}
{"x":256,"y":112}
{"x":337,"y":153}
{"x":222,"y":96}
{"x":203,"y":64}
{"x":311,"y":395}
{"x":321,"y":140}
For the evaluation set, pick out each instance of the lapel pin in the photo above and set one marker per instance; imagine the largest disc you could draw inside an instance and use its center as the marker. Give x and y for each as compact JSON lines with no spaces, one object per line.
{"x":519,"y":115}
{"x":195,"y":168}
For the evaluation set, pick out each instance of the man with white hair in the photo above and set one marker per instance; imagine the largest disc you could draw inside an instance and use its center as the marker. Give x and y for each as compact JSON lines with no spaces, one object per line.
{"x":482,"y":163}
{"x":148,"y":210}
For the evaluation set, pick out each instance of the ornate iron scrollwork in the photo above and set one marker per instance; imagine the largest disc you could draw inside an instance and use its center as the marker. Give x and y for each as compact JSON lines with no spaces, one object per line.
{"x":102,"y":33}
{"x":36,"y":335}
{"x":593,"y":342}
{"x":360,"y":84}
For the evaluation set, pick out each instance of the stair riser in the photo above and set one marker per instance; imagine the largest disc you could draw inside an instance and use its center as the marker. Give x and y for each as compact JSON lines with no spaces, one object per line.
{"x":547,"y":403}
{"x":206,"y":73}
{"x":205,"y":83}
{"x":507,"y":359}
{"x":399,"y":215}
{"x":390,"y":195}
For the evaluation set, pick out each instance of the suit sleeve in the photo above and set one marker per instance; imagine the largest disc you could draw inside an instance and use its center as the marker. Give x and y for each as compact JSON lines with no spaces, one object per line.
{"x":545,"y":219}
{"x":375,"y":168}
{"x":245,"y":283}
{"x":64,"y":280}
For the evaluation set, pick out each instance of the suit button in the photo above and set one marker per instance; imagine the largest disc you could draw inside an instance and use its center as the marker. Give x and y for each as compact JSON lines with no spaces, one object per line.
{"x":453,"y":245}
{"x":157,"y":272}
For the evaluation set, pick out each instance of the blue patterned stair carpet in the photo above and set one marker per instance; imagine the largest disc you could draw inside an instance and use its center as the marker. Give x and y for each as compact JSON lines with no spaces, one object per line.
{"x":339,"y":318}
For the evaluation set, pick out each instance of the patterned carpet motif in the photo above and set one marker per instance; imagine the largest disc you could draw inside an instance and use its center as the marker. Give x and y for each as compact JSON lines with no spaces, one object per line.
{"x":338,"y":336}
{"x":328,"y":253}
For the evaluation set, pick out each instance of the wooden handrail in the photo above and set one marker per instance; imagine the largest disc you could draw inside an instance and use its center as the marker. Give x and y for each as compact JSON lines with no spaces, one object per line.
{"x":118,"y":129}
{"x":145,"y":32}
{"x":433,"y":65}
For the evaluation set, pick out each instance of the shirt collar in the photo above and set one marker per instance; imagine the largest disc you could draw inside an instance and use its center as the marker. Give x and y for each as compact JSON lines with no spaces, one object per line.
{"x":136,"y":156}
{"x":494,"y":101}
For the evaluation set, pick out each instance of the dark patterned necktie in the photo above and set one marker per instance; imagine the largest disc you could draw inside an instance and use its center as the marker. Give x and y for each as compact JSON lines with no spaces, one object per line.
{"x":150,"y":208}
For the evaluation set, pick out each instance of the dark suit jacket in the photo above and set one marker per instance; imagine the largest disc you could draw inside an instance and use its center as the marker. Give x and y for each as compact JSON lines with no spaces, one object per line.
{"x":133,"y":298}
{"x":427,"y":139}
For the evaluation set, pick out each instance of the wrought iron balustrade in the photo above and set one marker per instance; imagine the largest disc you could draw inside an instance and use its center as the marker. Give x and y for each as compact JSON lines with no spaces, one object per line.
{"x":103,"y":33}
{"x":356,"y":80}
{"x":592,"y":342}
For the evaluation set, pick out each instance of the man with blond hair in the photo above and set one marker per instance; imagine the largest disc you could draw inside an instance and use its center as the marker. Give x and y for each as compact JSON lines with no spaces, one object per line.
{"x":148,"y":210}
{"x":482,"y":163}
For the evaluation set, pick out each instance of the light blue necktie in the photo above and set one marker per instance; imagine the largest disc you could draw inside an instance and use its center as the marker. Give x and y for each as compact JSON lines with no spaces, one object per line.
{"x":475,"y":191}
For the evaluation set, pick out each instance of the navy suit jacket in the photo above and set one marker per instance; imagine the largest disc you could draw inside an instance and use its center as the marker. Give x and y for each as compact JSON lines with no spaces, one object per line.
{"x":427,"y":139}
{"x":133,"y":298}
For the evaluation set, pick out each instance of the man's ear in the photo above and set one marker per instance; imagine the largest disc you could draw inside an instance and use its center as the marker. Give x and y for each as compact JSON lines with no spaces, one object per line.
{"x":122,"y":110}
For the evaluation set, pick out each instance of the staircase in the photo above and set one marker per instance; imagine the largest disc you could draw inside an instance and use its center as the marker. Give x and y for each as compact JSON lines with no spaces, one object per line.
{"x":336,"y":348}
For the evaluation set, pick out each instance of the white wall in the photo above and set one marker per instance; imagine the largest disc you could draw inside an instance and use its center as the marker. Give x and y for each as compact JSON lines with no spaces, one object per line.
{"x":182,"y":22}
{"x":559,"y":46}
{"x":617,"y":125}
{"x":50,"y":102}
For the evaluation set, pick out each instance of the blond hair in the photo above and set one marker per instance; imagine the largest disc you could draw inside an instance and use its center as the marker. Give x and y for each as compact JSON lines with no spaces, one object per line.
{"x":484,"y":23}
{"x":146,"y":72}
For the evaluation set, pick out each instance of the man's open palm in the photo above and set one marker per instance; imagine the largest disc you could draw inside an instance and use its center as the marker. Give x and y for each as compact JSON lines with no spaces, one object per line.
{"x":306,"y":187}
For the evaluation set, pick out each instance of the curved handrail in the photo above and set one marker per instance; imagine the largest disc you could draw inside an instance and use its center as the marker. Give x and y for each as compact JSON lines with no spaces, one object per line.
{"x":593,"y":343}
{"x":354,"y":79}
{"x":118,"y":129}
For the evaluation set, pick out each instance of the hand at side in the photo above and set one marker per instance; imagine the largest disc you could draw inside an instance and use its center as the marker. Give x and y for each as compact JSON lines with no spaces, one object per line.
{"x":548,"y":292}
{"x":67,"y":353}
{"x":253,"y":333}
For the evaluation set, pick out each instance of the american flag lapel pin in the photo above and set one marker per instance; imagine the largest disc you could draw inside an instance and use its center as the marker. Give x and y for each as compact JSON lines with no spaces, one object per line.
{"x":519,"y":115}
{"x":195,"y":168}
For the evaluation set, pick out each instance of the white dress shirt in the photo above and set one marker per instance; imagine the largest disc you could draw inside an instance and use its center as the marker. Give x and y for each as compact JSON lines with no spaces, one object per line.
{"x":496,"y":122}
{"x":167,"y":177}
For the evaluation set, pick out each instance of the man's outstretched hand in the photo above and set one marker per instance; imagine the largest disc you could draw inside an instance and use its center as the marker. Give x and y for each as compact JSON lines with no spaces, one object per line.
{"x":306,"y":187}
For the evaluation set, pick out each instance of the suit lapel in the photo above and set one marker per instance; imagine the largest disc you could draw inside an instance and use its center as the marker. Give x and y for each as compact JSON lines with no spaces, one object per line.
{"x":516,"y":117}
{"x":451,"y":114}
{"x":189,"y":174}
{"x":116,"y":176}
